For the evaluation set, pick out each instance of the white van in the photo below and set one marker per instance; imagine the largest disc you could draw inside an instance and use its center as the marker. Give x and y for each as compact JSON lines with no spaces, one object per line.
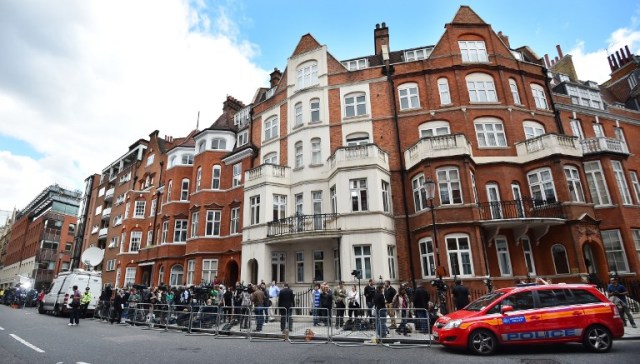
{"x":61,"y":289}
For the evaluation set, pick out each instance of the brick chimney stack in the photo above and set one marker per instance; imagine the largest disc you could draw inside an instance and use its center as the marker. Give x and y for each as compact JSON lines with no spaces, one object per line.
{"x":380,"y":37}
{"x":505,"y":39}
{"x":276,"y":75}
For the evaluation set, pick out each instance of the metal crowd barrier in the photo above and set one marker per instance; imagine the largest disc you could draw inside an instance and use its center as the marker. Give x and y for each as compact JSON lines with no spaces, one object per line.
{"x":412,"y":329}
{"x":266,"y":327}
{"x":237,"y":325}
{"x":204,"y":320}
{"x":357,"y":329}
{"x":311,"y":328}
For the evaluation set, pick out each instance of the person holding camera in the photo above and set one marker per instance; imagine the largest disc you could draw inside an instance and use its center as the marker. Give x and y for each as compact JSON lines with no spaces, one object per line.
{"x":389,"y":295}
{"x":326,"y":304}
{"x":353,"y":297}
{"x":381,"y":311}
{"x":340,"y":295}
{"x":617,"y":290}
{"x":369,"y":293}
{"x":258,"y":298}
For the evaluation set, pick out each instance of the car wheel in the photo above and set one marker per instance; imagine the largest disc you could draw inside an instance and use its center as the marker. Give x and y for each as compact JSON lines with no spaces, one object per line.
{"x":482,"y":342}
{"x":598,"y":339}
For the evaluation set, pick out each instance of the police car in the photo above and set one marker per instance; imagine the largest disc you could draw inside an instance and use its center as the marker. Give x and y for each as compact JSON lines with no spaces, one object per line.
{"x":533,"y":314}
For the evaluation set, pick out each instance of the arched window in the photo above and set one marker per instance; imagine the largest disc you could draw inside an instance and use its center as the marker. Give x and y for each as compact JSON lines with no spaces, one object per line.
{"x":443,"y":90}
{"x":299,"y":161}
{"x":184,"y":190}
{"x":215,"y":177}
{"x":198,"y":178}
{"x":316,"y":151}
{"x":434,"y":128}
{"x":298,"y":114}
{"x":539,"y":97}
{"x":408,"y":96}
{"x":169,"y":187}
{"x":533,"y":129}
{"x":271,"y":128}
{"x":560,"y":259}
{"x":314,"y":108}
{"x":177,"y":272}
{"x":513,"y":86}
{"x":481,"y":88}
{"x":307,"y":74}
{"x":270,"y":158}
{"x":355,"y":104}
{"x":218,"y":144}
{"x":357,"y":139}
{"x":161,"y":276}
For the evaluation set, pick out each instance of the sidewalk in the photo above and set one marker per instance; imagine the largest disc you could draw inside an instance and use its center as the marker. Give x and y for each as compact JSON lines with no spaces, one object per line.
{"x":629,"y":332}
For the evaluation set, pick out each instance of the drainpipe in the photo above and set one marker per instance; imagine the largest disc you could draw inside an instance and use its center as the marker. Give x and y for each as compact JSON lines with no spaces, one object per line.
{"x":155,"y":213}
{"x":388,"y":71}
{"x":556,"y":112}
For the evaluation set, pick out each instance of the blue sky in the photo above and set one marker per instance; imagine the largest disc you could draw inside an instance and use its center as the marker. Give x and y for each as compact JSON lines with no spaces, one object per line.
{"x":81,"y":80}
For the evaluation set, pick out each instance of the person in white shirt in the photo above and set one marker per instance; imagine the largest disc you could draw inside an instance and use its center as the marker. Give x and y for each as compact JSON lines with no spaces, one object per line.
{"x":353,"y":298}
{"x":274,"y":292}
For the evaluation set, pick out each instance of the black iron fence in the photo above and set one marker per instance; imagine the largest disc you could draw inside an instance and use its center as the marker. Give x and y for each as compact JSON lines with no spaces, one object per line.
{"x":302,"y":223}
{"x":517,"y":209}
{"x":632,"y":284}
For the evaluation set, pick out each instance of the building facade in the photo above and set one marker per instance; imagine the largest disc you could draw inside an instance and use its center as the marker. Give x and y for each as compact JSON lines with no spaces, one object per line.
{"x":41,"y":238}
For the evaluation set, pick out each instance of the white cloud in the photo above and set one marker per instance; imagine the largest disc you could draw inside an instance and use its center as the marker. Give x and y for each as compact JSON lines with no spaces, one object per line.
{"x":85,"y":79}
{"x":593,"y":66}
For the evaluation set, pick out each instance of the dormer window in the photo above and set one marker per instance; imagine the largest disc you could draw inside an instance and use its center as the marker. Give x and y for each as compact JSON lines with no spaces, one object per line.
{"x":356,"y":64}
{"x":473,"y":51}
{"x":563,"y":78}
{"x":307,"y":74}
{"x":241,"y":117}
{"x":150,"y":159}
{"x":415,"y":55}
{"x":243,"y":138}
{"x":187,"y":159}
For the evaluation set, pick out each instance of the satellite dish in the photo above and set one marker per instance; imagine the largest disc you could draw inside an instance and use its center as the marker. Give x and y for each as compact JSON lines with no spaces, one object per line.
{"x":92,"y":256}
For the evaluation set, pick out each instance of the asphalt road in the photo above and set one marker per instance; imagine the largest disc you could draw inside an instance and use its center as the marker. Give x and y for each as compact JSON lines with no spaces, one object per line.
{"x":27,"y":337}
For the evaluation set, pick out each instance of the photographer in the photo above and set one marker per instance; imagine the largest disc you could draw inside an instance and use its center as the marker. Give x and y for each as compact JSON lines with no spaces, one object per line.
{"x":369,"y":292}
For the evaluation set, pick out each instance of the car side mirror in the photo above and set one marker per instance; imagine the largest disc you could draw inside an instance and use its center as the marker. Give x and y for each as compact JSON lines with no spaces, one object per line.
{"x":505,"y":309}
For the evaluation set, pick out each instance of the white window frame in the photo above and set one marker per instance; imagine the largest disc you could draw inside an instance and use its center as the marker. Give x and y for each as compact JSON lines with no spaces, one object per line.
{"x":316,"y":151}
{"x":597,"y":183}
{"x":318,"y":265}
{"x":555,"y":262}
{"x":237,"y":175}
{"x":138,"y":210}
{"x":218,"y":144}
{"x":427,"y":258}
{"x":621,"y":182}
{"x":307,"y":74}
{"x":504,"y":259}
{"x":457,"y":256}
{"x":532,"y":129}
{"x":419,"y":193}
{"x":209,"y":270}
{"x":386,"y":196}
{"x":234,"y":227}
{"x":572,"y":175}
{"x":541,"y":186}
{"x":165,"y":231}
{"x":576,"y":128}
{"x":271,"y":128}
{"x":363,"y":259}
{"x":391,"y":261}
{"x":443,"y":91}
{"x":191,"y":272}
{"x":513,"y":86}
{"x":299,"y":155}
{"x":299,"y":267}
{"x":135,"y":241}
{"x":187,"y":159}
{"x":434,"y":128}
{"x":129,"y":277}
{"x":184,"y":189}
{"x":195,"y":223}
{"x":176,"y":275}
{"x":243,"y":138}
{"x":216,"y":174}
{"x":415,"y":55}
{"x":150,"y":159}
{"x":481,"y":87}
{"x":355,"y":104}
{"x":149,"y":237}
{"x":180,"y":228}
{"x":169,"y":189}
{"x":528,"y":256}
{"x":356,"y":64}
{"x":473,"y":51}
{"x":598,"y":130}
{"x":449,"y":186}
{"x":270,"y":158}
{"x":636,"y":185}
{"x":213,"y":223}
{"x":334,"y":199}
{"x":635,"y":233}
{"x":359,"y":194}
{"x":279,"y":207}
{"x":356,"y":139}
{"x":254,"y":204}
{"x":278,"y":266}
{"x":539,"y":96}
{"x":152,"y":210}
{"x":490,"y":133}
{"x":409,"y":96}
{"x":297,"y":111}
{"x":198,"y":178}
{"x":314,"y":110}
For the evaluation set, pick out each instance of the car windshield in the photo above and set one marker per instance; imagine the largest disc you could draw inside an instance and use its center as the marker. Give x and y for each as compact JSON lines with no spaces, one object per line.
{"x":484,"y":301}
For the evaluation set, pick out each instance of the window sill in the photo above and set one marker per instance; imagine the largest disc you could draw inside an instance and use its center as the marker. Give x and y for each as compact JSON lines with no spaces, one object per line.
{"x":316,"y":165}
{"x":494,"y":147}
{"x":297,"y":168}
{"x":298,"y":126}
{"x":411,"y":109}
{"x":485,"y":103}
{"x":356,"y":117}
{"x":315,"y":122}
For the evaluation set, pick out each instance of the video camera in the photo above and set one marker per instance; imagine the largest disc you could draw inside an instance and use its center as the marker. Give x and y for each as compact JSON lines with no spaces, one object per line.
{"x":357,"y":273}
{"x":439,"y":284}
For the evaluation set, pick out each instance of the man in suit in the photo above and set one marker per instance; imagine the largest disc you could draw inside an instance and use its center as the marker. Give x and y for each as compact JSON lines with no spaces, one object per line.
{"x":286,"y":300}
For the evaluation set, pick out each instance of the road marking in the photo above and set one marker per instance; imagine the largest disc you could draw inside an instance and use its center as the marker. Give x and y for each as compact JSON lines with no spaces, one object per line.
{"x":26,"y":343}
{"x":1,"y":328}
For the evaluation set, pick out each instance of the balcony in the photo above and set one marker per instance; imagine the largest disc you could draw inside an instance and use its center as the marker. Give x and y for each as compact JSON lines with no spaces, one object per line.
{"x":547,"y":145}
{"x":108,"y":196}
{"x":46,"y":255}
{"x":520,"y":216}
{"x":106,"y":213}
{"x":267,"y":173}
{"x":358,"y":156}
{"x":302,"y":224}
{"x":604,"y":145}
{"x":102,"y":234}
{"x":436,"y":147}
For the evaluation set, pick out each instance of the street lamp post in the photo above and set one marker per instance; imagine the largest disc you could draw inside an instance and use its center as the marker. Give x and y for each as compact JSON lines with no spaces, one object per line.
{"x":430,"y":188}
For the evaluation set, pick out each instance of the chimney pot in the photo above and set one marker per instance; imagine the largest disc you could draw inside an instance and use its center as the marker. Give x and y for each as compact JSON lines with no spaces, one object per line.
{"x":384,"y":25}
{"x":628,"y":51}
{"x":559,"y":51}
{"x":546,"y":60}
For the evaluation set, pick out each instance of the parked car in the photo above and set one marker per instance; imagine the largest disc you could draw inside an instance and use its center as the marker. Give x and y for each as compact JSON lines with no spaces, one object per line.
{"x":56,"y":298}
{"x":533,"y":314}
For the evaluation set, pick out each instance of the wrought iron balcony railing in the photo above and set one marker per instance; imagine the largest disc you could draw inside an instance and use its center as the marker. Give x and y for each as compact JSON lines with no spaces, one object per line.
{"x":302,"y":223}
{"x":520,"y":209}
